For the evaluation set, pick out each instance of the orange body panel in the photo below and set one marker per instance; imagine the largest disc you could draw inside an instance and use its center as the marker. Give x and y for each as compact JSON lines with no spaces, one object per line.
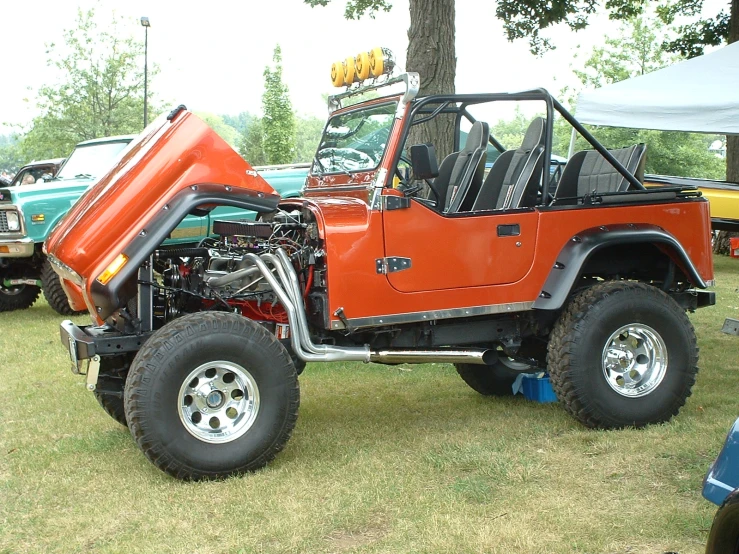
{"x":166,"y":158}
{"x":441,"y":254}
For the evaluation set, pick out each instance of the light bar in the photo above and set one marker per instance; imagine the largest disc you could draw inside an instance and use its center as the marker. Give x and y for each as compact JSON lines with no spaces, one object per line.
{"x":375,"y":63}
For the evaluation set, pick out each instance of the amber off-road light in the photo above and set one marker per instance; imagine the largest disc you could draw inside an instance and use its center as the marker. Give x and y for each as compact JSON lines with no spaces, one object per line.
{"x":113,"y":269}
{"x":375,"y":63}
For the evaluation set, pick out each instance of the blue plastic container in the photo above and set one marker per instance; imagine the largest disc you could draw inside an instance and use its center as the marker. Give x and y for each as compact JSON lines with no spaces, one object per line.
{"x":538,"y":389}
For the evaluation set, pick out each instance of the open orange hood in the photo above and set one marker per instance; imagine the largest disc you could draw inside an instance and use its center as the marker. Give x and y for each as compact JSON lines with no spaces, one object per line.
{"x":178,"y":163}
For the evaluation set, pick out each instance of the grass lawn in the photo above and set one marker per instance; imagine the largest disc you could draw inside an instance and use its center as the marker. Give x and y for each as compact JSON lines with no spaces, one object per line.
{"x":383,"y":459}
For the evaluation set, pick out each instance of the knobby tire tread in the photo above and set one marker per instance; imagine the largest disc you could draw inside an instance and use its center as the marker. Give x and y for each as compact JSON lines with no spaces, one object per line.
{"x":154,"y":452}
{"x":566,"y":333}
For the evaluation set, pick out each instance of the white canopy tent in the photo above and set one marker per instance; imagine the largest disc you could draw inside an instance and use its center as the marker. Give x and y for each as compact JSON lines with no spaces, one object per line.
{"x":698,"y":95}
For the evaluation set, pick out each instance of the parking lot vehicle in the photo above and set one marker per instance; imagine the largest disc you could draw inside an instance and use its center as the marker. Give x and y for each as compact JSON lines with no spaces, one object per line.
{"x":721,"y":486}
{"x":28,"y":213}
{"x":201,"y":358}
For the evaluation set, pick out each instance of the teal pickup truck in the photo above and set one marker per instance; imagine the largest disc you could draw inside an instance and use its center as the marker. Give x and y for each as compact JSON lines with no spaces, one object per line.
{"x":28,"y":213}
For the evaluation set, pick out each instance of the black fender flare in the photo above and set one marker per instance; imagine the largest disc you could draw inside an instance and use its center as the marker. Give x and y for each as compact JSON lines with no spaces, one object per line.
{"x":575,"y":254}
{"x":107,"y":298}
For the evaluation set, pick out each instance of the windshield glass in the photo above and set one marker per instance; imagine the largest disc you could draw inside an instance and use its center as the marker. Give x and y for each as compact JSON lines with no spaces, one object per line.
{"x":93,"y":160}
{"x":354,"y":141}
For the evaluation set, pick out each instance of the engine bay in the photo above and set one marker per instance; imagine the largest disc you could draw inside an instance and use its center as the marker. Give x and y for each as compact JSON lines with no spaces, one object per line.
{"x":218,"y":274}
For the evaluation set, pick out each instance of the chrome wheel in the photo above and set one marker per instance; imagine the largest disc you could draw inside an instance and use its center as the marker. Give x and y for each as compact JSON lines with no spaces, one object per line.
{"x":634,"y":360}
{"x":218,"y":402}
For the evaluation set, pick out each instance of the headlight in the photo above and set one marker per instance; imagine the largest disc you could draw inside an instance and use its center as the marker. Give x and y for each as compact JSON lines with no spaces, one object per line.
{"x":14,"y":222}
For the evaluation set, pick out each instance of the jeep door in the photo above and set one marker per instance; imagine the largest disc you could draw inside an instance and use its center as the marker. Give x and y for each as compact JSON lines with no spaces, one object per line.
{"x":465,"y":250}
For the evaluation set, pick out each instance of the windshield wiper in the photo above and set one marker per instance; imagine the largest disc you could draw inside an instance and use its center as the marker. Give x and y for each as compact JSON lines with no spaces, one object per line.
{"x":84,"y":176}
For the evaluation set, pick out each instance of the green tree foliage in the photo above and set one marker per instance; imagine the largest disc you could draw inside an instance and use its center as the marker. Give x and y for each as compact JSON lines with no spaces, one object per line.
{"x":251,"y":145}
{"x":101,"y":93}
{"x":308,"y":131}
{"x":11,"y":158}
{"x":528,"y":18}
{"x":278,"y":123}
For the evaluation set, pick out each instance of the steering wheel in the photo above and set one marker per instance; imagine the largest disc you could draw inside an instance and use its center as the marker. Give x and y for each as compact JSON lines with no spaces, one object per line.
{"x":349,"y":159}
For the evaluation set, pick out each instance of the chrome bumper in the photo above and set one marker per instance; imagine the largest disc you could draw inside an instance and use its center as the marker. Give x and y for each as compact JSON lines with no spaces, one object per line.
{"x":16,"y":248}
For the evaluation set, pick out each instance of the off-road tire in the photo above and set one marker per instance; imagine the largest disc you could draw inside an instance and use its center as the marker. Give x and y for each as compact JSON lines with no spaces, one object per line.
{"x":18,"y":298}
{"x":577,"y":347}
{"x":491,"y":380}
{"x":161,"y":370}
{"x":53,"y":291}
{"x":111,"y":383}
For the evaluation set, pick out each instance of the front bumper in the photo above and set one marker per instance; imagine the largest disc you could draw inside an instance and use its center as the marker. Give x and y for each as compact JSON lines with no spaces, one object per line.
{"x":16,"y":248}
{"x":723,"y":476}
{"x":89,"y":344}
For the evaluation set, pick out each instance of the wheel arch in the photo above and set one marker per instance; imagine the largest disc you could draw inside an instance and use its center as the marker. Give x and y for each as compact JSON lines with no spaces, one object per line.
{"x":583,"y":251}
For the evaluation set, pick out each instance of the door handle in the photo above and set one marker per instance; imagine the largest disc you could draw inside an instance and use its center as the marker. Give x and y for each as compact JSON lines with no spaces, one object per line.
{"x":509,"y":230}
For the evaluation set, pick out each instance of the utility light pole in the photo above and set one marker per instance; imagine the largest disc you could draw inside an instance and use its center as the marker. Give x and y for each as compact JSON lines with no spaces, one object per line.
{"x":145,"y":23}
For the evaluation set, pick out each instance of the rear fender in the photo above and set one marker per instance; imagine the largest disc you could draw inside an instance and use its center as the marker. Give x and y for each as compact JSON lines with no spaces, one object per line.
{"x":575,"y":254}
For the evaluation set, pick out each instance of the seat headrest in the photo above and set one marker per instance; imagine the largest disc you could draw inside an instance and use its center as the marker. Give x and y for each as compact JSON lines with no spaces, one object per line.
{"x":477,"y":137}
{"x":534,"y":134}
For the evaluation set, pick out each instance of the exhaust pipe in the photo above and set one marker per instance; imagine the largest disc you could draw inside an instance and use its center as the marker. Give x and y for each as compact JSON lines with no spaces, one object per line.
{"x":288,"y":291}
{"x":479,"y":356}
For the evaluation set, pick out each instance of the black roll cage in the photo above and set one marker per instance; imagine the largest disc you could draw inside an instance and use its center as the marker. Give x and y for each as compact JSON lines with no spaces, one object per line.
{"x":457,"y":104}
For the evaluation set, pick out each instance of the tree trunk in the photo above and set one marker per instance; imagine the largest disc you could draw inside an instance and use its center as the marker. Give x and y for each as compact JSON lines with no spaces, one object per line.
{"x":431,"y":53}
{"x":721,"y":243}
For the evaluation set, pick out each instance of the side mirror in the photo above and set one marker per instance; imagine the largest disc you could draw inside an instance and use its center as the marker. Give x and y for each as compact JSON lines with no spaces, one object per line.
{"x":423,"y":161}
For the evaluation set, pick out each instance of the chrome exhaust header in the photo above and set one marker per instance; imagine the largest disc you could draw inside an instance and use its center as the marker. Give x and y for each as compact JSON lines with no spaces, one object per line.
{"x":285,"y":285}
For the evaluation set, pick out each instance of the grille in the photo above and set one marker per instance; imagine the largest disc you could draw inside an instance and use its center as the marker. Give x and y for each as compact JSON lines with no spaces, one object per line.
{"x":4,"y":222}
{"x":255,"y":229}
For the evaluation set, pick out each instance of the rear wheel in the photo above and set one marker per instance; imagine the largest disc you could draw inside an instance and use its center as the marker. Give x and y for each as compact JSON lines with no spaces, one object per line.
{"x":211,"y":395}
{"x":622,"y":354}
{"x":53,"y":291}
{"x":15,"y":297}
{"x":496,"y":379}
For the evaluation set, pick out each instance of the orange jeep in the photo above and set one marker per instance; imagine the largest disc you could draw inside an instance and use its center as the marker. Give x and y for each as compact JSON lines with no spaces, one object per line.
{"x":491,"y":259}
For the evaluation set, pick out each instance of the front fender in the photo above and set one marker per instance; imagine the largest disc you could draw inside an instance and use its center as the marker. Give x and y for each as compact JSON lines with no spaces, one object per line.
{"x":575,"y":254}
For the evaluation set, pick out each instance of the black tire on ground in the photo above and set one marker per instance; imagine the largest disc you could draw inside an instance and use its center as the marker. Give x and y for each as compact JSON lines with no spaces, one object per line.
{"x":493,"y":380}
{"x":622,"y":354}
{"x":17,"y":297}
{"x":724,"y":535}
{"x":110,"y":386}
{"x":53,"y":291}
{"x":210,"y":395}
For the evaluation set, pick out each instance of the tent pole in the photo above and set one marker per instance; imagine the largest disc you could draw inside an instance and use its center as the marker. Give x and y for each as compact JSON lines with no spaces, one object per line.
{"x":571,"y":150}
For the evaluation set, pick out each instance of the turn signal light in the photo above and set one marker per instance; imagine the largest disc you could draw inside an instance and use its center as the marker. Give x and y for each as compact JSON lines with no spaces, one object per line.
{"x":113,"y":269}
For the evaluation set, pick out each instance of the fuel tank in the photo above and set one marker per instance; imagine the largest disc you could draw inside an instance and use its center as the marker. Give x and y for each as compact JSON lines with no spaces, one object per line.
{"x":177,"y":165}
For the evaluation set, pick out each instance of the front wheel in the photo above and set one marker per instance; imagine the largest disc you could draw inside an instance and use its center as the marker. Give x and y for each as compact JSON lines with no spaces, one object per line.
{"x":15,"y":296}
{"x":211,"y":395}
{"x":622,"y":354}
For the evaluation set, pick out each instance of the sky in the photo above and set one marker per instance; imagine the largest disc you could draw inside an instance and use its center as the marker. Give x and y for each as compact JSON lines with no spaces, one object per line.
{"x":211,"y":55}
